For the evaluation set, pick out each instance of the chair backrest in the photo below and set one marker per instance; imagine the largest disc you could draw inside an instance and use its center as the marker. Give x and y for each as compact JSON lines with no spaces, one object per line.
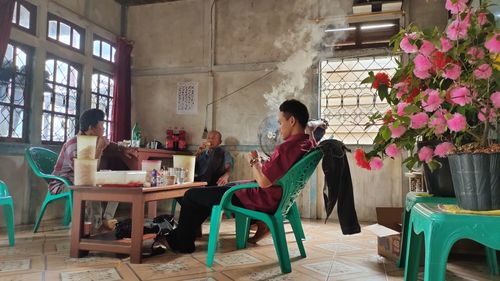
{"x":41,"y":160}
{"x":293,"y":182}
{"x":4,"y":191}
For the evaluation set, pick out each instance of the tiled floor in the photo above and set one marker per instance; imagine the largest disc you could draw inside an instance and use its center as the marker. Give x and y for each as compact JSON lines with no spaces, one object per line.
{"x":331,"y":256}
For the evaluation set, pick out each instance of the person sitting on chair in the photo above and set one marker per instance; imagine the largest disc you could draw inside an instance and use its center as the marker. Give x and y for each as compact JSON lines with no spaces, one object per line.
{"x":213,"y":163}
{"x":91,"y":124}
{"x":198,"y":202}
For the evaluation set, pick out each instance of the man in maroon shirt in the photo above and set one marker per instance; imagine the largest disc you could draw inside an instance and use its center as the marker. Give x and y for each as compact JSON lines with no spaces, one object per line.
{"x":198,"y":202}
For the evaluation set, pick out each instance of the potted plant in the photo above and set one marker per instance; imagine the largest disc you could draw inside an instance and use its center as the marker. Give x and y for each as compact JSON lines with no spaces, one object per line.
{"x":446,"y":94}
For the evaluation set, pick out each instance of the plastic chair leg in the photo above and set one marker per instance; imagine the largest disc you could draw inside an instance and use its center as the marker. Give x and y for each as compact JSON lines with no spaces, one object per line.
{"x":39,"y":218}
{"x":172,"y":208}
{"x":278,"y":232}
{"x":67,"y":212}
{"x":242,"y":229}
{"x":413,"y":253}
{"x":214,"y":234}
{"x":9,"y":221}
{"x":491,"y":258}
{"x":298,"y":231}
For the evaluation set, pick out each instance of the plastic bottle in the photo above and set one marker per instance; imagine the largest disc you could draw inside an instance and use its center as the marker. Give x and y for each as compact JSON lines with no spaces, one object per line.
{"x":136,"y":136}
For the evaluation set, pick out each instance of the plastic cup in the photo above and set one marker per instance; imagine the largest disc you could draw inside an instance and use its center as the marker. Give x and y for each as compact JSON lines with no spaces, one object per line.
{"x":85,"y":172}
{"x":187,"y":162}
{"x":85,"y":147}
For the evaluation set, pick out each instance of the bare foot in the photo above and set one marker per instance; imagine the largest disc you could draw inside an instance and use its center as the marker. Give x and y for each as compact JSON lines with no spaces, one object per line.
{"x":261,"y":233}
{"x":110,"y":223}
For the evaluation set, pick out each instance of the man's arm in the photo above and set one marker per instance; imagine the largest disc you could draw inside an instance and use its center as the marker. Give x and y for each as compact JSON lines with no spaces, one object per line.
{"x":228,"y":166}
{"x":259,"y":177}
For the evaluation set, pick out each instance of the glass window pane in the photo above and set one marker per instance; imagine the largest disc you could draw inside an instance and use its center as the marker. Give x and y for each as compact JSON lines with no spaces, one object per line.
{"x":62,"y":72}
{"x":73,"y":77}
{"x":9,"y":55}
{"x":93,"y":101}
{"x":20,"y":61}
{"x":95,"y":82}
{"x":73,"y":95}
{"x":4,"y":91}
{"x":46,"y":126}
{"x":47,"y":100}
{"x":76,"y":39}
{"x":60,"y":99}
{"x":71,"y":127}
{"x":14,"y":19}
{"x":106,"y":51}
{"x":4,"y":121}
{"x":110,"y":109}
{"x":113,"y":52}
{"x":111,"y":86}
{"x":97,"y":48}
{"x":52,"y":29}
{"x":59,"y":133}
{"x":64,"y":33}
{"x":103,"y":104}
{"x":20,"y":83}
{"x":24,"y":17}
{"x":49,"y":70}
{"x":103,"y":85}
{"x":17,"y":123}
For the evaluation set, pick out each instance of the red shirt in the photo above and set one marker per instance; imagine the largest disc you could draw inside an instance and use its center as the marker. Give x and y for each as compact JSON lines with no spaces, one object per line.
{"x":284,"y":156}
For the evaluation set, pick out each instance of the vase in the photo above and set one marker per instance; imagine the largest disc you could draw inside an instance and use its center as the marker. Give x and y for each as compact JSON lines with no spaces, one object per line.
{"x":476,"y":180}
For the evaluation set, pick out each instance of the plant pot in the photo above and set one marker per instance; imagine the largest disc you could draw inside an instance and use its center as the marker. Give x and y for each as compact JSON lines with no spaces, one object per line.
{"x":476,"y":179}
{"x":439,"y":182}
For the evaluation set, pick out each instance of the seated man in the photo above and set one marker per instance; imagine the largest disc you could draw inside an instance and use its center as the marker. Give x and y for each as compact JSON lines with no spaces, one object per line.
{"x":198,"y":202}
{"x":91,"y":124}
{"x":213,"y":163}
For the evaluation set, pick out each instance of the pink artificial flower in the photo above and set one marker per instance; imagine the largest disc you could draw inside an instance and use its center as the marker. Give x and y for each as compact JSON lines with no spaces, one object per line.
{"x":484,"y":71}
{"x":376,"y":163}
{"x":392,"y":150}
{"x":452,"y":71}
{"x":475,"y":54}
{"x":402,"y":88}
{"x":422,"y":74}
{"x":397,"y":132}
{"x":445,"y":45}
{"x":495,"y":99}
{"x":438,"y":123}
{"x":482,"y":115}
{"x":482,"y":19}
{"x":425,"y":154}
{"x":401,"y":108}
{"x":443,"y":149}
{"x":457,"y":123}
{"x":493,"y":44}
{"x":422,"y":62}
{"x":460,"y":95}
{"x":456,"y":6}
{"x":406,"y":45}
{"x":433,"y":101}
{"x":427,"y":48}
{"x":458,"y":29}
{"x":419,"y":120}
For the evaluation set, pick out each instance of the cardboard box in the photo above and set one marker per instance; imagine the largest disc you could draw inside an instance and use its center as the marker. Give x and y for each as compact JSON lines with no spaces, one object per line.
{"x":388,"y":231}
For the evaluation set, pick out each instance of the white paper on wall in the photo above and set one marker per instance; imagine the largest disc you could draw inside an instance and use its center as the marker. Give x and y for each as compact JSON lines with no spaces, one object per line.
{"x":187,"y":97}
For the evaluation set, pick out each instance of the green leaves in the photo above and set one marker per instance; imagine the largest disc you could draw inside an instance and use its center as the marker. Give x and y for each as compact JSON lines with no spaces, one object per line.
{"x":369,"y":79}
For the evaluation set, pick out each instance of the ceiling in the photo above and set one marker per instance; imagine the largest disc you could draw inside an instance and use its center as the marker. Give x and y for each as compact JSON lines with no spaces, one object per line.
{"x":142,"y":2}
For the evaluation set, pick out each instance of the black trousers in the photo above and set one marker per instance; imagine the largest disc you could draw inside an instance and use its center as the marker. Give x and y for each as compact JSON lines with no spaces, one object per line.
{"x":196,"y":207}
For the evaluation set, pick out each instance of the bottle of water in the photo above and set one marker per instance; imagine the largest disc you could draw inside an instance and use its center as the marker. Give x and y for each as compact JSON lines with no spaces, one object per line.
{"x":136,"y":136}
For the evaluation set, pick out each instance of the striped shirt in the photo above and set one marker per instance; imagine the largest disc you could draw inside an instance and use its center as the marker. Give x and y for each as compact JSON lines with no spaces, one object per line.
{"x":64,"y":166}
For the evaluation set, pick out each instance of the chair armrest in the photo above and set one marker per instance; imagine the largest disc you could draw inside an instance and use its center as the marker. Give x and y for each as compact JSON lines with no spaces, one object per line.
{"x":53,"y":177}
{"x":229,"y":193}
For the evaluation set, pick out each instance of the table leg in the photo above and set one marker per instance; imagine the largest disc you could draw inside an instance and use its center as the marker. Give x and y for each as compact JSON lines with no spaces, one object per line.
{"x":137,"y":230}
{"x":77,"y":226}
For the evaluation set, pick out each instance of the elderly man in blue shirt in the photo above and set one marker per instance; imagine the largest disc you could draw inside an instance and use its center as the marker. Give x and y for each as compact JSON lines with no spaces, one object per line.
{"x":213,"y":163}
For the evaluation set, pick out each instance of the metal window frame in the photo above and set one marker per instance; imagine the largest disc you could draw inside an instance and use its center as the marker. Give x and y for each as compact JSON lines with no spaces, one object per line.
{"x":101,"y":40}
{"x":73,"y":27}
{"x":32,"y":9}
{"x":110,"y":97}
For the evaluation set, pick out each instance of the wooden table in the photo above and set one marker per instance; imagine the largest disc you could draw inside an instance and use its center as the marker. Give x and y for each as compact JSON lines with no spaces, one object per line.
{"x":137,"y":196}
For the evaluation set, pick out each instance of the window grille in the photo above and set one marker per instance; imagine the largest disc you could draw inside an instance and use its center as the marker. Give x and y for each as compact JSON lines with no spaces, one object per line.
{"x":102,"y":97}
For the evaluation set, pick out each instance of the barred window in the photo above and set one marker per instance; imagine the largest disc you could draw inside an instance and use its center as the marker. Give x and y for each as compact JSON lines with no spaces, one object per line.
{"x":103,"y":49}
{"x":345,"y":102}
{"x":24,"y":16}
{"x":61,"y":99}
{"x":102,"y":97}
{"x":65,"y":32}
{"x":15,"y":73}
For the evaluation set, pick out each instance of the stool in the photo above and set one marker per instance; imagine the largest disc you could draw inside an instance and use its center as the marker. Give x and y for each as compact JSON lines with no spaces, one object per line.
{"x":8,"y":209}
{"x":441,"y":230}
{"x":413,"y":198}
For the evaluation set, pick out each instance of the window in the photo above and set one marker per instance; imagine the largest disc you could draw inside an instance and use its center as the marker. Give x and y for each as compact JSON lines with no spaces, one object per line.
{"x":24,"y":16}
{"x":361,"y":34}
{"x":65,"y":32}
{"x":103,"y":49}
{"x":14,"y":93}
{"x":102,"y":97}
{"x":345,"y":102}
{"x":61,"y":99}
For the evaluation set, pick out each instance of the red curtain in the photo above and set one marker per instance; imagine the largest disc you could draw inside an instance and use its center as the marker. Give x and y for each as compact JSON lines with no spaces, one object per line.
{"x":6,"y":12}
{"x":121,"y":127}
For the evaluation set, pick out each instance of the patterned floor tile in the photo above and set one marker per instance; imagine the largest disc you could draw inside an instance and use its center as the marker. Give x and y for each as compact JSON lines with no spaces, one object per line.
{"x":58,"y":262}
{"x":29,"y":248}
{"x":168,"y":266}
{"x":210,"y":276}
{"x":21,"y":264}
{"x":35,"y":276}
{"x":271,"y":272}
{"x":94,"y":273}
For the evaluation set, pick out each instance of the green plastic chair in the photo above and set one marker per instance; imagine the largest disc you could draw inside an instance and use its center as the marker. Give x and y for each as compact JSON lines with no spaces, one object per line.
{"x":292,"y":183}
{"x":8,"y":210}
{"x":42,"y":162}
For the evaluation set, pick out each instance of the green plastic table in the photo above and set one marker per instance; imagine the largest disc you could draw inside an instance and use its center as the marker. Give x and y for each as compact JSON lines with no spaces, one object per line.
{"x":413,"y":198}
{"x":441,"y":230}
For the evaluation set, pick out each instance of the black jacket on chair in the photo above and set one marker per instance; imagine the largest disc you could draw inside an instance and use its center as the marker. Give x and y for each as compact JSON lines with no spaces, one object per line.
{"x":338,"y":185}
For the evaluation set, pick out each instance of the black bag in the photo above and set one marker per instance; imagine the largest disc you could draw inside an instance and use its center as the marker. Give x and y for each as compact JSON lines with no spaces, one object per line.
{"x":162,"y":224}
